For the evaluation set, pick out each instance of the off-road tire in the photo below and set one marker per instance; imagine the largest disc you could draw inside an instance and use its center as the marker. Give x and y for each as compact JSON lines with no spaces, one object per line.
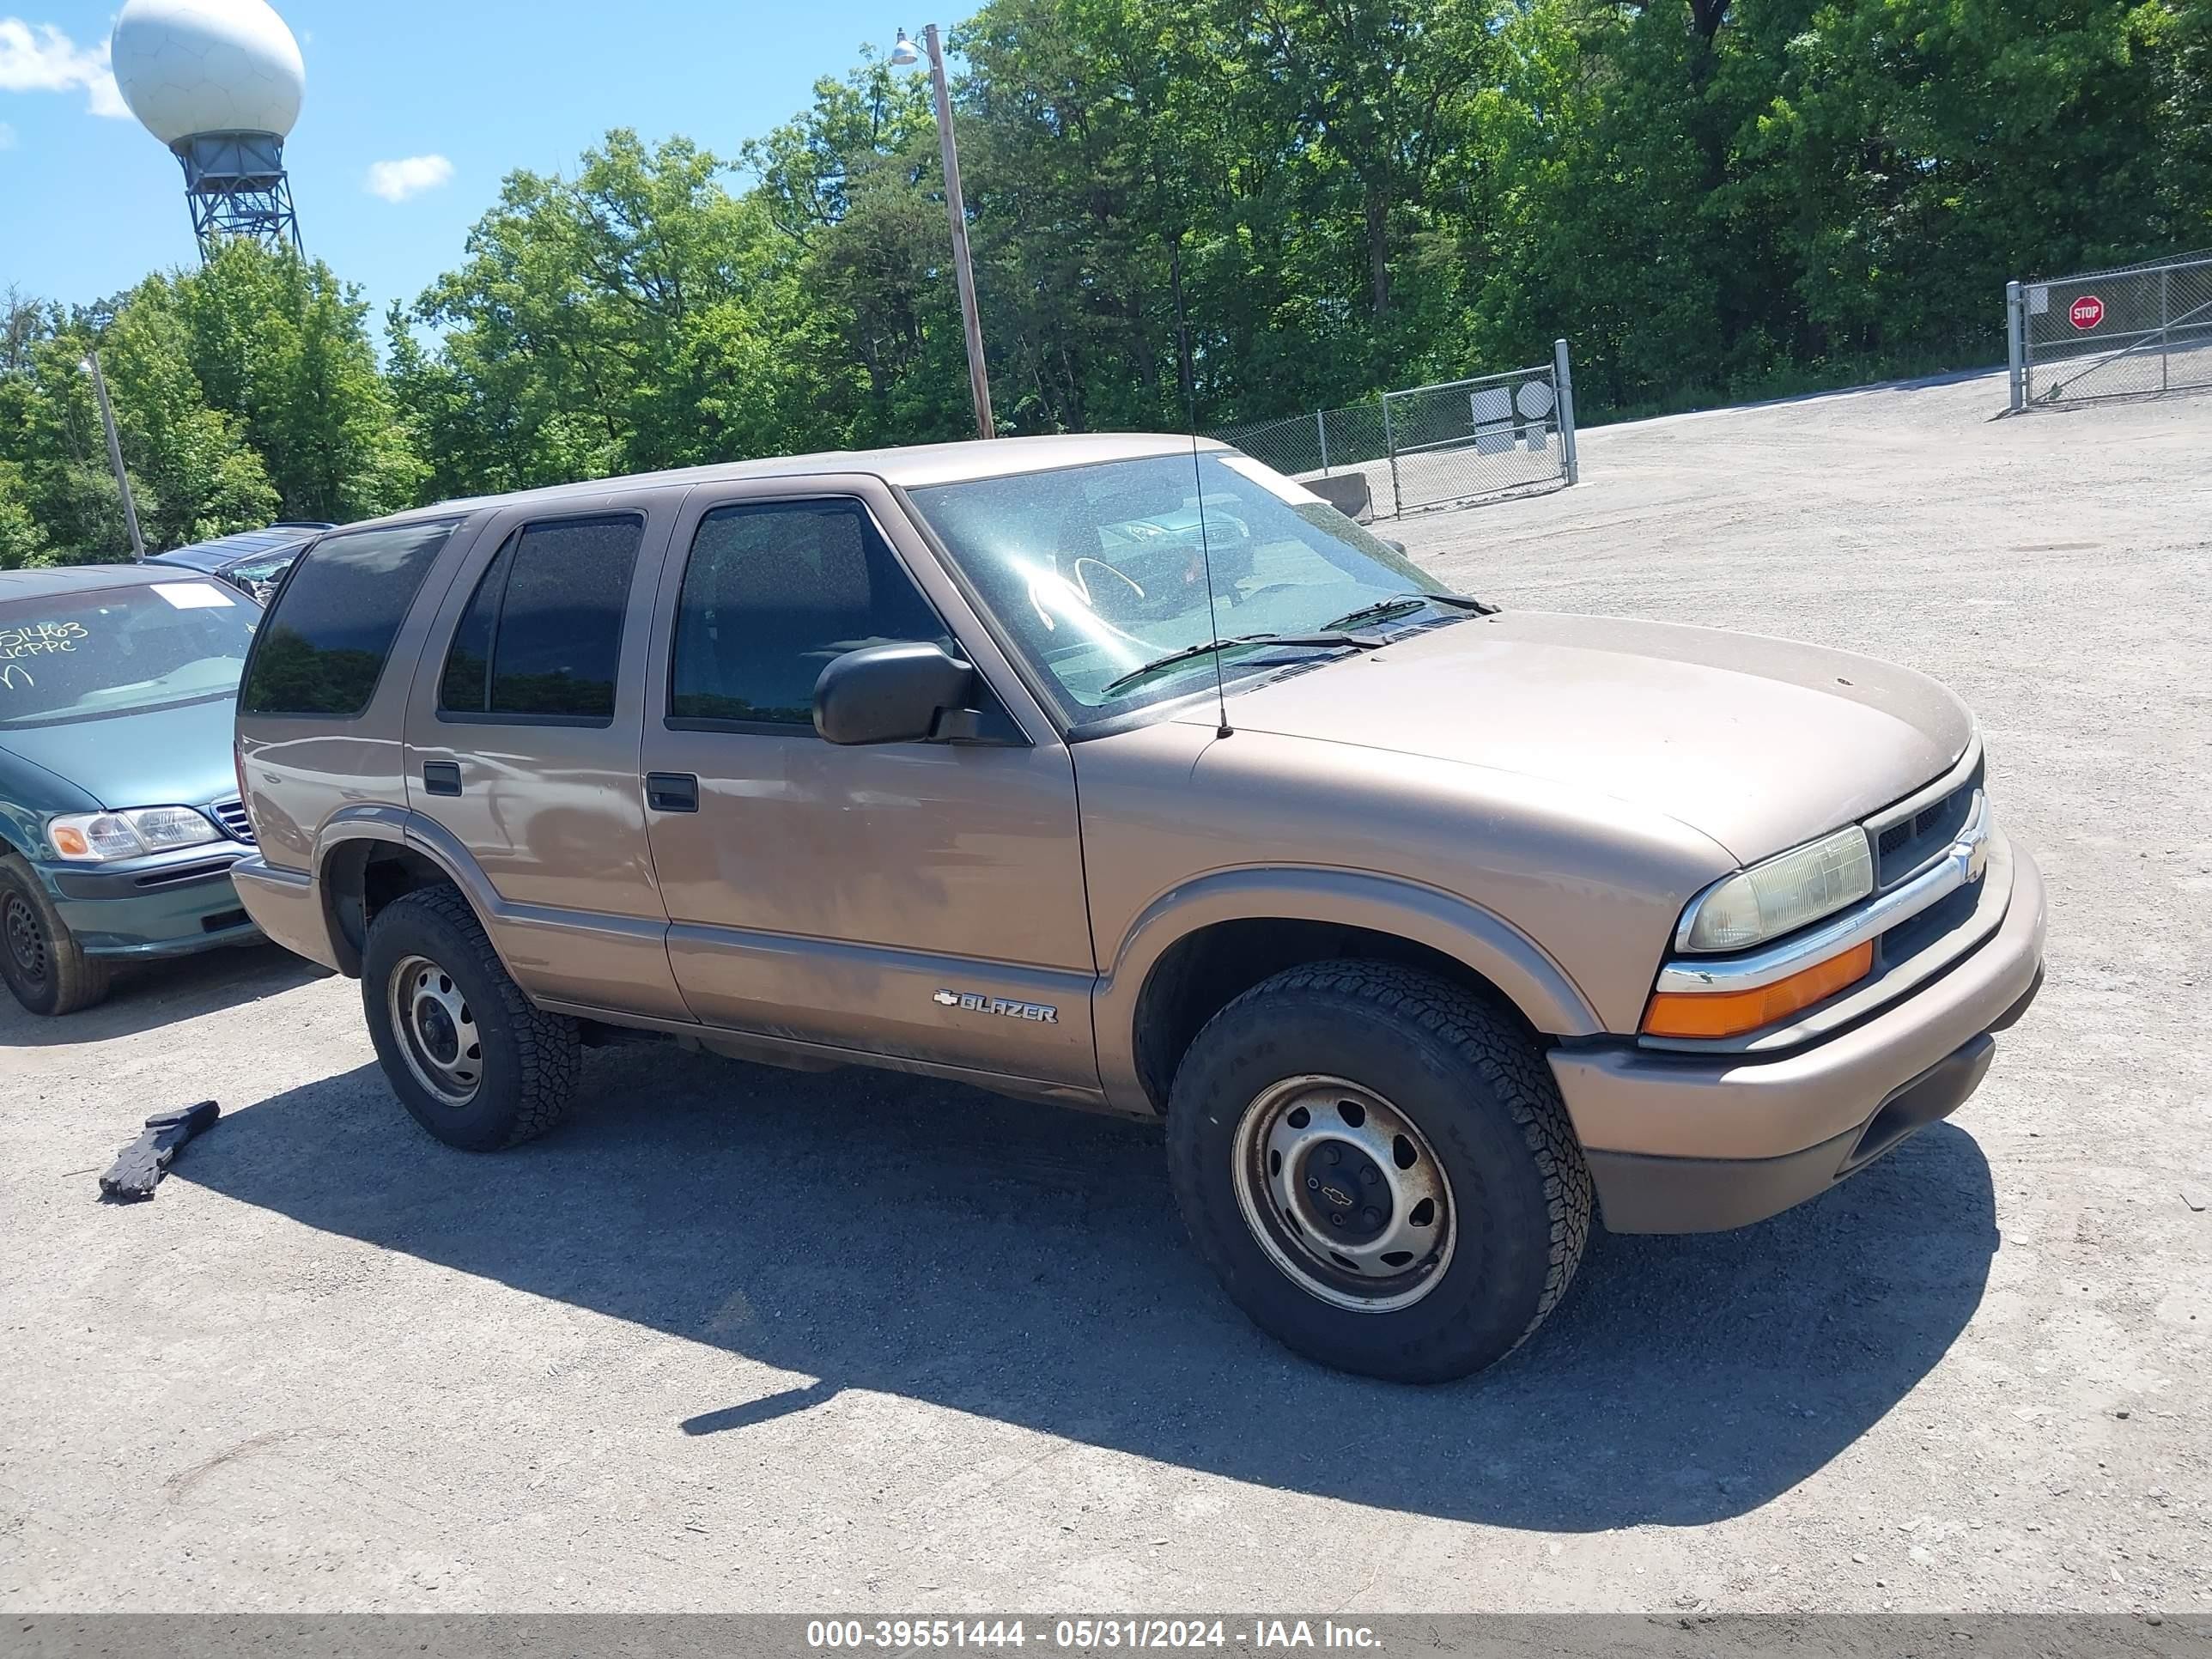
{"x":1478,"y":1089}
{"x":531,"y":1059}
{"x":66,"y":979}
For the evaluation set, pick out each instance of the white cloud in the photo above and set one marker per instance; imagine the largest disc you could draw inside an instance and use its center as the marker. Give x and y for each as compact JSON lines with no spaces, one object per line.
{"x":6,"y":136}
{"x":395,"y":181}
{"x":41,"y":58}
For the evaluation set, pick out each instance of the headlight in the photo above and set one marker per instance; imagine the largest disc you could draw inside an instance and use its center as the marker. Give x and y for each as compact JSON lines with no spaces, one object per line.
{"x":1781,"y":894}
{"x":96,"y":837}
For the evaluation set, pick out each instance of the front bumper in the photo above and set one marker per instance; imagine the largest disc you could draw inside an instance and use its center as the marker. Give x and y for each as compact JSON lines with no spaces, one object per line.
{"x":171,"y":904}
{"x":1681,"y":1142}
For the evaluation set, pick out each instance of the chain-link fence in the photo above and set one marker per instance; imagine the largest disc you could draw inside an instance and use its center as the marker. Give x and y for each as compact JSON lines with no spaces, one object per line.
{"x":1323,"y":444}
{"x":1428,"y":446}
{"x":2135,"y":331}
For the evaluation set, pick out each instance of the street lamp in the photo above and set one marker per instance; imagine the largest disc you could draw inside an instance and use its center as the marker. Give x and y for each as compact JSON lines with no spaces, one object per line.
{"x":903,"y":56}
{"x":89,"y":364}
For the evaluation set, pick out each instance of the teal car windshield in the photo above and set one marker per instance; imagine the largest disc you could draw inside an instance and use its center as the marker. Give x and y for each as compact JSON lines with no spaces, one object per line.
{"x":98,"y":651}
{"x":1094,"y":572}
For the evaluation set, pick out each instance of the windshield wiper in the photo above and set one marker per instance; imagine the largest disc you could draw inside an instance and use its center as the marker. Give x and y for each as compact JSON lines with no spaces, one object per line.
{"x":1398,"y":602}
{"x":1326,"y":636}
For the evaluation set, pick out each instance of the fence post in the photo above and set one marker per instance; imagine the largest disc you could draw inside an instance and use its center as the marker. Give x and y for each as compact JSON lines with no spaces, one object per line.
{"x":2165,"y":338}
{"x":2016,"y":346}
{"x":1320,"y":426}
{"x":1391,"y":444}
{"x":1563,"y":390}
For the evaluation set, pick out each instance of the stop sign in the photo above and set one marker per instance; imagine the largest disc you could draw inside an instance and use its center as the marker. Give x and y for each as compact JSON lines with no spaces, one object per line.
{"x":2086,"y":311}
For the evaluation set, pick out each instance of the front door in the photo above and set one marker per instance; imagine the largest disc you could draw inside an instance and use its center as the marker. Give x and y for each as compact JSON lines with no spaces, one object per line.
{"x":916,"y":900}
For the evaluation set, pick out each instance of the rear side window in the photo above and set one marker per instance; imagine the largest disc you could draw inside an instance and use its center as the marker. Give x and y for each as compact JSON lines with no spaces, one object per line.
{"x":772,"y":593}
{"x":542,"y":636}
{"x":323,"y":646}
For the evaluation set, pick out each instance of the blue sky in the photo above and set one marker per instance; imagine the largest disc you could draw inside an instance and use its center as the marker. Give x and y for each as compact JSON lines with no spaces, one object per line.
{"x":89,"y":204}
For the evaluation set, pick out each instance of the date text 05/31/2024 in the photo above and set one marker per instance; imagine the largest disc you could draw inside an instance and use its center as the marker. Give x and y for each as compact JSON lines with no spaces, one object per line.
{"x":1254,"y":1636}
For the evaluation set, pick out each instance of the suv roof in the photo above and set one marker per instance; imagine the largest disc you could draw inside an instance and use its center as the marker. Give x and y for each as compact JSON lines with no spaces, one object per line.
{"x":911,"y":466}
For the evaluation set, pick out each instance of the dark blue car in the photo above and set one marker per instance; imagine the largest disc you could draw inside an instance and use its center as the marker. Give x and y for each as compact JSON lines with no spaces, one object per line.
{"x":252,"y":561}
{"x":119,"y":814}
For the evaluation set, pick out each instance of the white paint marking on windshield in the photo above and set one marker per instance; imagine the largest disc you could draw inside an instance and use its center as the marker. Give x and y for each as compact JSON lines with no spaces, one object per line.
{"x":39,"y":639}
{"x":193,"y":596}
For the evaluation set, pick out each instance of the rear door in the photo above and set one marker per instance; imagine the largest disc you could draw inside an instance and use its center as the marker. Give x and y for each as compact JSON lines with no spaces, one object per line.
{"x":522,"y":745}
{"x":917,"y":900}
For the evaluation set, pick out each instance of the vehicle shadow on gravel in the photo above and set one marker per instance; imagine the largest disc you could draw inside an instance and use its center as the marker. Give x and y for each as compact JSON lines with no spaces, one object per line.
{"x":1026,"y":1263}
{"x":157,"y":994}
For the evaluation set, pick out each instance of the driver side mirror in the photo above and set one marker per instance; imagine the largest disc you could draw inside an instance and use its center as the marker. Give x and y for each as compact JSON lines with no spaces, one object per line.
{"x":910,"y":692}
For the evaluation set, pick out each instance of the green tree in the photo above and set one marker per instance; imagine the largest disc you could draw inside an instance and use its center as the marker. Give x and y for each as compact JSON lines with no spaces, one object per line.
{"x":280,"y":345}
{"x":22,"y":542}
{"x":638,"y":316}
{"x":203,"y":478}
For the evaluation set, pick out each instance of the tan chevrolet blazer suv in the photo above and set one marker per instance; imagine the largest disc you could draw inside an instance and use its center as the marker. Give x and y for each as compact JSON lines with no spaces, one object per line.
{"x":1124,"y":773}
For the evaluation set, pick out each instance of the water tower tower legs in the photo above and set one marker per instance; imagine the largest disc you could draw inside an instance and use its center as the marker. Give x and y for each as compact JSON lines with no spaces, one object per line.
{"x":236,"y":184}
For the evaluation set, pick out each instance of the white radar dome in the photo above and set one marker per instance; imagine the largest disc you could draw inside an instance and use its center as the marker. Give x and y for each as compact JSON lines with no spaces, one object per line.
{"x":194,"y":66}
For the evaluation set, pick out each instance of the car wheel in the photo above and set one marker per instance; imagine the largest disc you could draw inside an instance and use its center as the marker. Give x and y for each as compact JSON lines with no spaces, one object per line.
{"x":44,"y":965}
{"x":471,"y":1058}
{"x":1380,"y":1169}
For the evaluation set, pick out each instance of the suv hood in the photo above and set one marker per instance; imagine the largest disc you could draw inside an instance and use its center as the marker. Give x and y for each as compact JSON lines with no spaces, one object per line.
{"x":1758,"y":743}
{"x":173,"y":756}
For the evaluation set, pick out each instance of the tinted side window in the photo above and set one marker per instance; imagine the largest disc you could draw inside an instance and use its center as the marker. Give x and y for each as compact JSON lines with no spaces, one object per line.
{"x":323,"y":645}
{"x":542,"y":634}
{"x":771,"y":594}
{"x":466,"y":685}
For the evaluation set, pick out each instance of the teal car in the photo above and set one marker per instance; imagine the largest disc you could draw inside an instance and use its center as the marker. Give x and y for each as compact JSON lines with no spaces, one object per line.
{"x":119,"y":812}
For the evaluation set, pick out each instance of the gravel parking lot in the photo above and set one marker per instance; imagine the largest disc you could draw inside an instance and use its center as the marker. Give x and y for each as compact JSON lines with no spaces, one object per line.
{"x":739,"y":1339}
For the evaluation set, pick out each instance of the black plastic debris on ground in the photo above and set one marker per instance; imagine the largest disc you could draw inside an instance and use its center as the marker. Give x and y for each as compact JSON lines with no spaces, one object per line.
{"x":144,"y":1163}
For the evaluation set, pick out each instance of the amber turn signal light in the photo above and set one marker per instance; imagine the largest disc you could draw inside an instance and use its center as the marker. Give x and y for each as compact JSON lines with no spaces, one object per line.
{"x":1731,"y":1013}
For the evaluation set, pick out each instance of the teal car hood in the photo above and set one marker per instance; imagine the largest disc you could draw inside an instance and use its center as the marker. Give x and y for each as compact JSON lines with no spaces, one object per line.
{"x":175,"y":757}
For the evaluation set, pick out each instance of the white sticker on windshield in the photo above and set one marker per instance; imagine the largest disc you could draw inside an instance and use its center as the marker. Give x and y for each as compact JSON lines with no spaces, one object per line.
{"x":192,"y":596}
{"x":1273,"y":482}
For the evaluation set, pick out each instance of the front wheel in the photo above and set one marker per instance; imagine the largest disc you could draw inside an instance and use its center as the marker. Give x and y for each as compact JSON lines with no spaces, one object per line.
{"x":44,"y":965}
{"x":1380,"y":1169}
{"x":470,"y":1057}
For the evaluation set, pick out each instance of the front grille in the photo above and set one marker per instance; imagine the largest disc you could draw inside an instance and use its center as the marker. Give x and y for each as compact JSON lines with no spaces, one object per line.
{"x":1916,"y":934}
{"x":231,"y":815}
{"x":1907,"y":845}
{"x":181,"y":875}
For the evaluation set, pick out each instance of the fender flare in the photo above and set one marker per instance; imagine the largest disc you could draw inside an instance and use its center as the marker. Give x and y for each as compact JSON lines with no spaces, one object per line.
{"x":1544,"y":992}
{"x":351,"y":827}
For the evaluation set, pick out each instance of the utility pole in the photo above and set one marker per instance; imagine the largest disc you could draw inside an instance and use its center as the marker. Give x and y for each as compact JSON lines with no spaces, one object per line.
{"x":972,"y":325}
{"x":91,"y":365}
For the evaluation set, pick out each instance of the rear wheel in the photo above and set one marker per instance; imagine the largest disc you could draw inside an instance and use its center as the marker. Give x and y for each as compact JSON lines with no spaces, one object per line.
{"x":471,"y":1058}
{"x":44,"y":965}
{"x":1380,"y":1169}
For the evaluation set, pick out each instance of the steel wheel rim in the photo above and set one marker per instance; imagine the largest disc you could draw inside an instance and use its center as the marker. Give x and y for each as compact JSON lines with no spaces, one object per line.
{"x":437,"y":1030}
{"x":1389,"y":1244}
{"x":26,"y":940}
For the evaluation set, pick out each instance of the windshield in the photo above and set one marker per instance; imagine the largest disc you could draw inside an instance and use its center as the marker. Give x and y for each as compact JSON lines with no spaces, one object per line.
{"x":1095,"y":571}
{"x":120,"y":650}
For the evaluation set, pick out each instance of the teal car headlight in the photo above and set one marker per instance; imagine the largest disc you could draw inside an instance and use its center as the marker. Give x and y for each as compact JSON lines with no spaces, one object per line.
{"x":97,"y":837}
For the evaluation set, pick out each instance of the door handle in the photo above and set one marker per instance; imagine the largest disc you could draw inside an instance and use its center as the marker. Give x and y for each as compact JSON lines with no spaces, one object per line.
{"x":672,"y":791}
{"x":441,"y":777}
